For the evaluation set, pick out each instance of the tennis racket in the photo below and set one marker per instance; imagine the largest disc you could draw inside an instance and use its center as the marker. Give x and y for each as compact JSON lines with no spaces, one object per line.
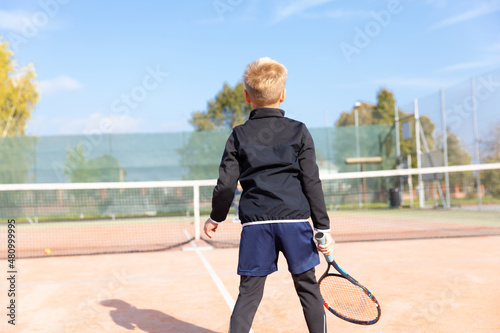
{"x":344,"y":296}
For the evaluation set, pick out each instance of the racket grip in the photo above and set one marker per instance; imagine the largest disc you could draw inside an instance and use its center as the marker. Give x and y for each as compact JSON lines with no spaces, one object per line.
{"x":320,"y":238}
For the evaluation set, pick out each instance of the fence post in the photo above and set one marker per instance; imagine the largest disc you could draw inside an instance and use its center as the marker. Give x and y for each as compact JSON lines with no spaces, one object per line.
{"x":445,"y":149}
{"x":476,"y":143}
{"x":196,"y":208}
{"x":421,"y":198}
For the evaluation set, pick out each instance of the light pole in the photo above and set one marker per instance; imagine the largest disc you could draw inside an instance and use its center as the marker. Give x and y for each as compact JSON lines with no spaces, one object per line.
{"x":356,"y":124}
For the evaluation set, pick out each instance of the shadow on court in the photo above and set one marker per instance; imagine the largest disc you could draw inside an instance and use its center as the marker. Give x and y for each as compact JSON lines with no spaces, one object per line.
{"x":148,"y":320}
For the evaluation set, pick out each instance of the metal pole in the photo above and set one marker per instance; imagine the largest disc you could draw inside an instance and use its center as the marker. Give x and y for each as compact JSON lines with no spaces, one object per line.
{"x":35,"y":166}
{"x":356,"y":124}
{"x":410,"y":182}
{"x":427,"y":150}
{"x":327,"y":128}
{"x":358,"y":153}
{"x":398,"y":150}
{"x":445,"y":150}
{"x":421,"y":198}
{"x":476,"y":143}
{"x":396,"y":126}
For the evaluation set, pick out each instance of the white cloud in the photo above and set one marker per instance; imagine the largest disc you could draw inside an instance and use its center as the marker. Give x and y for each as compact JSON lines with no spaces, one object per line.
{"x":99,"y":123}
{"x":484,"y":8}
{"x":28,"y":24}
{"x":296,"y":7}
{"x":59,"y":84}
{"x":14,"y":20}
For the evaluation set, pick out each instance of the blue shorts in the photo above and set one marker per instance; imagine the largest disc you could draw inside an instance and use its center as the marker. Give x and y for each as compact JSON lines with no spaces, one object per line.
{"x":260,"y":245}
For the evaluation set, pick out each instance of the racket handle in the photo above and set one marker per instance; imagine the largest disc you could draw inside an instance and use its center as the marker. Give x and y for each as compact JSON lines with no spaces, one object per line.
{"x":320,"y":238}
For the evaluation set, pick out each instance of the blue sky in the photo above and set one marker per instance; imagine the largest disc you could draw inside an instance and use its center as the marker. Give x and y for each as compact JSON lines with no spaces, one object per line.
{"x":130,"y":66}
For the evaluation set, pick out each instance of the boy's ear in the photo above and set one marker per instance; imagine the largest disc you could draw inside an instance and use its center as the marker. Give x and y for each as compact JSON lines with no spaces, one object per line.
{"x":247,"y":97}
{"x":283,"y":95}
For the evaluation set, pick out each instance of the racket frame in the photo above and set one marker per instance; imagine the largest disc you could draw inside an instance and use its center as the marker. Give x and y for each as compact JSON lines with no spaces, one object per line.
{"x":320,"y":238}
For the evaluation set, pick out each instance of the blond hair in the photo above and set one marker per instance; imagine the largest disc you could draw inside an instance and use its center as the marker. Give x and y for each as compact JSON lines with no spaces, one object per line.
{"x":264,"y":80}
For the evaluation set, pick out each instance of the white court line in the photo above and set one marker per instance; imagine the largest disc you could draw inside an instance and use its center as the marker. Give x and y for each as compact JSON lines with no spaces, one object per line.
{"x":222,"y":289}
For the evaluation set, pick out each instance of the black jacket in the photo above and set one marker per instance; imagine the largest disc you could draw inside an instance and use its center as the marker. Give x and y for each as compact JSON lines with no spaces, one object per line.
{"x":275,"y":161}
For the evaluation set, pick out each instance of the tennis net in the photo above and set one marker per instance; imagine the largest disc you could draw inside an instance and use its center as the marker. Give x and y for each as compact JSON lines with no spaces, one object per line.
{"x":94,"y":218}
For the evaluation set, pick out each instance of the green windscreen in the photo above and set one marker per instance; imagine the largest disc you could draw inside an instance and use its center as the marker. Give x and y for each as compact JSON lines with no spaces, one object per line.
{"x":166,"y":156}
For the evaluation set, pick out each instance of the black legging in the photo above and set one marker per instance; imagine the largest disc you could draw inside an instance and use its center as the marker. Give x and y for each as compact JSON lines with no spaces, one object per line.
{"x":252,"y":289}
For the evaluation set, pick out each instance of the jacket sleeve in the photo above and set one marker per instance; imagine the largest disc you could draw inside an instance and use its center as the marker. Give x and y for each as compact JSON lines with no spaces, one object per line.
{"x":311,"y":184}
{"x":229,"y":172}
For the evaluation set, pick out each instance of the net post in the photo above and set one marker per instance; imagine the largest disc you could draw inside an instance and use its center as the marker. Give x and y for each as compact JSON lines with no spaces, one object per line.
{"x":196,"y":208}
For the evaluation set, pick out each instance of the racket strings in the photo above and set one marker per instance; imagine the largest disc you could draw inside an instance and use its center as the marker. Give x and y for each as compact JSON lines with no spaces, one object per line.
{"x":347,"y":299}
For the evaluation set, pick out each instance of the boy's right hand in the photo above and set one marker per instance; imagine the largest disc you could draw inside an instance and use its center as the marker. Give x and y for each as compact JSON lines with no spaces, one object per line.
{"x":210,"y":228}
{"x":327,"y":248}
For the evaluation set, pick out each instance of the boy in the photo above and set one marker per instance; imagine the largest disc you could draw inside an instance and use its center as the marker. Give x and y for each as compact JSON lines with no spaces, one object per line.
{"x":274,"y":159}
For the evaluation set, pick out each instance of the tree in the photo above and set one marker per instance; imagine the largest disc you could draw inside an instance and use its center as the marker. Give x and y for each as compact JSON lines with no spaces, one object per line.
{"x":364,"y":116}
{"x":201,"y":155}
{"x":103,"y":168}
{"x":382,"y":113}
{"x":18,"y":93}
{"x":377,"y":137}
{"x":491,"y":147}
{"x":76,"y":163}
{"x":491,"y":154}
{"x":376,"y":131}
{"x":18,"y":96}
{"x":457,"y":153}
{"x":227,"y":110}
{"x":80,"y":169}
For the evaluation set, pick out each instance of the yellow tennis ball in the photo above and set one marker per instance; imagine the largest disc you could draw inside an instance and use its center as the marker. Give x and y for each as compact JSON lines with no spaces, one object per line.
{"x":47,"y":251}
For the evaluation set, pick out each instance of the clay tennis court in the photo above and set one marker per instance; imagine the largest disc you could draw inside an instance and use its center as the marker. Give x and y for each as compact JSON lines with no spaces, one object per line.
{"x":140,"y":234}
{"x":427,"y":285}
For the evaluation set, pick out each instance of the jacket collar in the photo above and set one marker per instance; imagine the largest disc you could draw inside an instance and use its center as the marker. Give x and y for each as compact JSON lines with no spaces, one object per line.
{"x":266,"y":112}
